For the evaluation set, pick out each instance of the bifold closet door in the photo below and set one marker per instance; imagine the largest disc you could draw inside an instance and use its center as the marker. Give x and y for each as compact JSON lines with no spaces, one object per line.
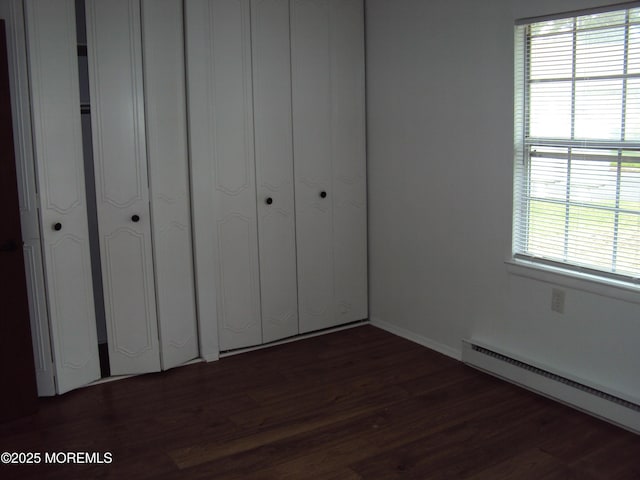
{"x":221,"y":129}
{"x":327,"y":48}
{"x":274,"y":167}
{"x":57,"y":140}
{"x":165,"y":100}
{"x":12,"y":12}
{"x":119,"y":148}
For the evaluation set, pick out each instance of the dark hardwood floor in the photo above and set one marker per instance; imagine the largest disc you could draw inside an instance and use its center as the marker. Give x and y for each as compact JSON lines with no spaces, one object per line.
{"x":356,"y":404}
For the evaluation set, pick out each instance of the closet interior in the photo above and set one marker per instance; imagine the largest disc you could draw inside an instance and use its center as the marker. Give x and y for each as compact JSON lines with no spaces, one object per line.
{"x":92,"y":216}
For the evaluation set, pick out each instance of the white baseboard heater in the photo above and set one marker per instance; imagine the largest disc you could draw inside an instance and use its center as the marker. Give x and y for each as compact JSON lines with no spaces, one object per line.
{"x":608,"y":406}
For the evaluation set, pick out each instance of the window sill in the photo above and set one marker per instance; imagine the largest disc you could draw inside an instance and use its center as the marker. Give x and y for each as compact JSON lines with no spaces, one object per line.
{"x":619,"y":290}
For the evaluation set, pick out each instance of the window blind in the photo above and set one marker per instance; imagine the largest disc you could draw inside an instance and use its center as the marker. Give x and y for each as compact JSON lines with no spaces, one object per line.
{"x":577,"y":142}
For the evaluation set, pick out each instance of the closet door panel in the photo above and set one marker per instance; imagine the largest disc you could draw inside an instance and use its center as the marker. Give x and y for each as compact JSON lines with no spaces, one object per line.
{"x":13,"y":13}
{"x":230,"y":110}
{"x":165,"y":106}
{"x":57,"y":139}
{"x":313,"y":140}
{"x":350,"y":220}
{"x":125,"y":258}
{"x":117,"y":113}
{"x":198,"y":57}
{"x":329,"y":156}
{"x":277,"y":271}
{"x":348,"y":97}
{"x":115,"y":59}
{"x":40,"y":330}
{"x":274,"y":167}
{"x":349,"y":160}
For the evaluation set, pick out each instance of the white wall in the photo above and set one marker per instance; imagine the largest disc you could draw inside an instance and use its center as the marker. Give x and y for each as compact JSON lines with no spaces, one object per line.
{"x":440,"y":152}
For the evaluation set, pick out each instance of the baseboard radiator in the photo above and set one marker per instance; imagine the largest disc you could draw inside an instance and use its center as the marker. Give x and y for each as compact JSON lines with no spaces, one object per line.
{"x":608,"y":406}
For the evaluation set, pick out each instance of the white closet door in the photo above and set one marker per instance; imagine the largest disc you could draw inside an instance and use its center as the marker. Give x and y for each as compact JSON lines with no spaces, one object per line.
{"x":349,"y":161}
{"x":311,"y":70}
{"x":219,"y":59}
{"x":119,"y":146}
{"x":12,"y":12}
{"x":274,"y":167}
{"x":198,"y":49}
{"x":57,"y":137}
{"x":165,"y":105}
{"x":328,"y":116}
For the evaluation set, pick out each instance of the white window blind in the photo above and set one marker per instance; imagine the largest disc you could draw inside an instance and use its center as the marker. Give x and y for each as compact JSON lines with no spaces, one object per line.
{"x":577,"y":139}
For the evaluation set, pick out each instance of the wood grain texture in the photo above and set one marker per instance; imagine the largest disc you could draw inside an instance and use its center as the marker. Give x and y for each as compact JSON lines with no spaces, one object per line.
{"x":356,"y":404}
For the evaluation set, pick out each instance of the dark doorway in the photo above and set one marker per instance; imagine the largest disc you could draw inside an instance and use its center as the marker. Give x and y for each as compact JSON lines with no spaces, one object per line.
{"x":17,"y":373}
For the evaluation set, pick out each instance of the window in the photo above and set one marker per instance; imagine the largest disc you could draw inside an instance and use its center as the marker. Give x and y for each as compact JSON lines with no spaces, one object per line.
{"x":577,"y":138}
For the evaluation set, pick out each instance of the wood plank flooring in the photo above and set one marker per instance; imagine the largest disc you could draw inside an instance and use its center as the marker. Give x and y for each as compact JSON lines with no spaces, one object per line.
{"x":356,"y":404}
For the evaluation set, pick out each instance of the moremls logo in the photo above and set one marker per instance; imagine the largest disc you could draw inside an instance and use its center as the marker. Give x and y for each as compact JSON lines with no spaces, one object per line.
{"x":78,"y":457}
{"x":34,"y":458}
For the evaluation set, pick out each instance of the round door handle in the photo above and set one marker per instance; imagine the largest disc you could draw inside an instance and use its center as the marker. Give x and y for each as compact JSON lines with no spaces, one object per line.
{"x":323,"y":194}
{"x":135,"y":218}
{"x":269,"y":201}
{"x":57,"y":226}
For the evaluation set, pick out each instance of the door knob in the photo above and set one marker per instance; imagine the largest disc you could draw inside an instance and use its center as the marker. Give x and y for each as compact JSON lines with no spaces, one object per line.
{"x":323,"y":194}
{"x":269,"y":201}
{"x":135,"y":218}
{"x":57,"y":226}
{"x":9,"y":246}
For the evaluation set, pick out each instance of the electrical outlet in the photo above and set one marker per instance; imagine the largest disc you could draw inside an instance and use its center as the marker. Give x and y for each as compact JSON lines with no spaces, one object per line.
{"x":557,"y":300}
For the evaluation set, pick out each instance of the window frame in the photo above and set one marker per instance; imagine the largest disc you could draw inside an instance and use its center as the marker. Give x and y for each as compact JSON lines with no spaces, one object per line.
{"x":523,"y":145}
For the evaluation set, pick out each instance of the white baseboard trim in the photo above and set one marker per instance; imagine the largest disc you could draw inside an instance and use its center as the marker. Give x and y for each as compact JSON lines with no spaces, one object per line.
{"x":608,"y":406}
{"x":416,"y":338}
